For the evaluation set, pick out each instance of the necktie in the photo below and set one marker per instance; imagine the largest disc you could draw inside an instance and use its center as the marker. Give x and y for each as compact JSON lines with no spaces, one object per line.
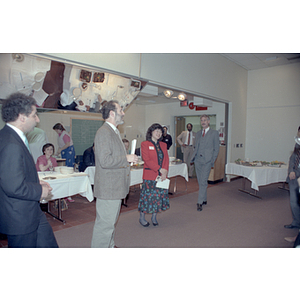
{"x":203,"y":134}
{"x":189,"y":138}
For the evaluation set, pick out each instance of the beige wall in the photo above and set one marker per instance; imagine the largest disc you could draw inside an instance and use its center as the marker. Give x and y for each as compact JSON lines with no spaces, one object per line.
{"x":273,"y":112}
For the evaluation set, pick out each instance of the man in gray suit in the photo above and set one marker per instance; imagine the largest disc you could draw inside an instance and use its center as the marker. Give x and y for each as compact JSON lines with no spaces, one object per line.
{"x":186,"y":140}
{"x":112,"y":175}
{"x":204,"y":156}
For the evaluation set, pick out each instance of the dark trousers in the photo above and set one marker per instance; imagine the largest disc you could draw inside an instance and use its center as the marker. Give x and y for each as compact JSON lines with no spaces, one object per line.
{"x":43,"y":237}
{"x":294,"y":201}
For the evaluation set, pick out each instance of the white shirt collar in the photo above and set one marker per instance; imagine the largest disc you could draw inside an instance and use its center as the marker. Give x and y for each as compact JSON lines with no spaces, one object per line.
{"x":112,"y":126}
{"x":18,"y":131}
{"x":206,"y":130}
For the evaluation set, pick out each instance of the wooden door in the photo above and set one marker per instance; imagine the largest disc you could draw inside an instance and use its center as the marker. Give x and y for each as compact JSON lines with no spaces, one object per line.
{"x":179,"y":127}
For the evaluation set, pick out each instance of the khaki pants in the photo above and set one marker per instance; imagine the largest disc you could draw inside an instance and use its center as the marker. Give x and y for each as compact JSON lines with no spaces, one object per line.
{"x":107,"y":213}
{"x":187,"y":155}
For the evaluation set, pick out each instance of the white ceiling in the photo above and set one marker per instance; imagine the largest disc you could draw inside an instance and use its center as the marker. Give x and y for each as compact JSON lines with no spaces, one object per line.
{"x":248,"y":61}
{"x":262,"y":60}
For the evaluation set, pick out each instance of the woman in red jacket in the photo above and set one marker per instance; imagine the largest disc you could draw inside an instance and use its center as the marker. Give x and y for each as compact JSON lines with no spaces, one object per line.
{"x":156,"y":163}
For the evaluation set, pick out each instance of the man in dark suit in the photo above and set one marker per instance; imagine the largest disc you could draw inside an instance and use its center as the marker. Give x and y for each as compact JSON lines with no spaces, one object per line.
{"x":293,"y":175}
{"x":204,"y":156}
{"x":21,"y":217}
{"x":88,"y":158}
{"x":166,"y":138}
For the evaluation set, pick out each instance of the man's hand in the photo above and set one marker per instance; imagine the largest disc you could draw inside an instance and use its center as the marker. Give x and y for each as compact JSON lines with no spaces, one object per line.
{"x":132,"y":158}
{"x":292,"y":175}
{"x":46,"y":189}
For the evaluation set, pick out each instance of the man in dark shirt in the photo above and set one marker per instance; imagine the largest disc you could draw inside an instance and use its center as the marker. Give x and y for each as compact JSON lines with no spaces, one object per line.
{"x":167,"y":138}
{"x":88,"y":158}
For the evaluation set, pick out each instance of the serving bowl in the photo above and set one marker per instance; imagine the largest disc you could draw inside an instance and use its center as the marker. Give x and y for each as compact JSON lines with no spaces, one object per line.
{"x":66,"y":170}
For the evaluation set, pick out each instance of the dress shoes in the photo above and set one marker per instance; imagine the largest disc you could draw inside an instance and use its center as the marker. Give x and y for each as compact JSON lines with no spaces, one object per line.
{"x":145,"y":225}
{"x":290,"y":226}
{"x":199,"y":207}
{"x":291,"y":239}
{"x":204,"y":203}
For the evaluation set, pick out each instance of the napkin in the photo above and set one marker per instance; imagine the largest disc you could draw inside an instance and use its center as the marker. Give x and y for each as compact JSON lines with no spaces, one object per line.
{"x":162,"y":184}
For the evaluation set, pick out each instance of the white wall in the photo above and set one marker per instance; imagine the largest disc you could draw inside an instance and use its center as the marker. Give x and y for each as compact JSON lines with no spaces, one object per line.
{"x":273,"y":112}
{"x":204,"y":74}
{"x":165,"y":113}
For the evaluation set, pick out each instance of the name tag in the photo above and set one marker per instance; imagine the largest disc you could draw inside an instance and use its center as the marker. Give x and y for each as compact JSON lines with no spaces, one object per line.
{"x":151,"y":148}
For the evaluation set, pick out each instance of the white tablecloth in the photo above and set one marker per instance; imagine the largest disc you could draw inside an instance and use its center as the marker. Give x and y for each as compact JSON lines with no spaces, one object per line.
{"x":258,"y":175}
{"x":136,"y":175}
{"x":68,"y":185}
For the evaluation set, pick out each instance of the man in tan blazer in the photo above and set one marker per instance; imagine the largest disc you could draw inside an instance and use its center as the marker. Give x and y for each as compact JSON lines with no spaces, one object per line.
{"x":186,"y":140}
{"x":112,"y":175}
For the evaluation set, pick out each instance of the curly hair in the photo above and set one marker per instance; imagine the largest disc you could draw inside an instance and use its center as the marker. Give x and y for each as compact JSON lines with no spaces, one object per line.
{"x":16,"y":104}
{"x":151,"y":129}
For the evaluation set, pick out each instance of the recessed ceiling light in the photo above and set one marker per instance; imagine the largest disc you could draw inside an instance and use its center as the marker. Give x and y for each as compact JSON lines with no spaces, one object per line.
{"x":271,"y":58}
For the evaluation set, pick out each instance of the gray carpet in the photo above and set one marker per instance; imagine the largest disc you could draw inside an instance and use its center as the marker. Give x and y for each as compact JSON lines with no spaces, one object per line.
{"x":230,"y":220}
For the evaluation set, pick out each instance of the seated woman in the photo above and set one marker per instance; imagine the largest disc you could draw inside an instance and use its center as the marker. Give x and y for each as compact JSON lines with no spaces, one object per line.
{"x":46,"y":162}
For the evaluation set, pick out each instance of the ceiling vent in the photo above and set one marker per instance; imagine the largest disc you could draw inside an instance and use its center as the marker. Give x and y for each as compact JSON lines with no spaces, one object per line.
{"x":149,"y":91}
{"x":202,"y":102}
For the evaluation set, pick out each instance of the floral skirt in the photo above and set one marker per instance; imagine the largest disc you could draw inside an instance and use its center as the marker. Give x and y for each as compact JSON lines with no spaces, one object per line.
{"x":153,"y":199}
{"x":69,"y":155}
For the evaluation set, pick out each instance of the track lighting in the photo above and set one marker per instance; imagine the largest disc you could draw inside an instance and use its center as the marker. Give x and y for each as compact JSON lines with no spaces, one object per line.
{"x":168,"y":93}
{"x":181,"y":96}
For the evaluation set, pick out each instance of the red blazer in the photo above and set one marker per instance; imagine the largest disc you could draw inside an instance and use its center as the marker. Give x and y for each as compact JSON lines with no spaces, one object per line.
{"x":149,"y":156}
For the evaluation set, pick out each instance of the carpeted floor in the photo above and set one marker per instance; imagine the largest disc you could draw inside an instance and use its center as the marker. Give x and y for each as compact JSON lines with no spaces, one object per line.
{"x":230,"y":220}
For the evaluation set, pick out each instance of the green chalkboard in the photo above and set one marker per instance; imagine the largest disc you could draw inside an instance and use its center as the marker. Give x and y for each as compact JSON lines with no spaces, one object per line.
{"x":83,"y":133}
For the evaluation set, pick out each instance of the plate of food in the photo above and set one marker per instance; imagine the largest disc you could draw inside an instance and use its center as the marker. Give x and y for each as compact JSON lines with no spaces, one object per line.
{"x":176,"y":161}
{"x":49,"y":178}
{"x":276,"y":164}
{"x":138,"y":165}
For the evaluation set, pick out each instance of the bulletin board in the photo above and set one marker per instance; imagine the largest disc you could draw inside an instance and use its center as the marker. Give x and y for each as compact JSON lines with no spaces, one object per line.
{"x":83,"y":133}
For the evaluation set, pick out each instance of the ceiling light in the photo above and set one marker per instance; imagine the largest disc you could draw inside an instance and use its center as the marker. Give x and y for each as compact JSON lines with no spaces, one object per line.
{"x":168,"y":93}
{"x":271,"y":58}
{"x":181,"y":96}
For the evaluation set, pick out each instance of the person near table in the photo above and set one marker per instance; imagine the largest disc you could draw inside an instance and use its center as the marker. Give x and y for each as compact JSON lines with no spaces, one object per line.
{"x":293,"y":175}
{"x":204,"y":157}
{"x":166,"y":138}
{"x":186,"y":140}
{"x":112,"y":175}
{"x":88,"y":158}
{"x":46,"y":162}
{"x":21,"y":217}
{"x":156,"y":163}
{"x":65,"y":145}
{"x":126,"y":144}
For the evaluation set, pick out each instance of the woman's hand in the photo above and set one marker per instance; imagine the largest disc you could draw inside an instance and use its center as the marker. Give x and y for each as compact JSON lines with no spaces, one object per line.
{"x":164,"y":174}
